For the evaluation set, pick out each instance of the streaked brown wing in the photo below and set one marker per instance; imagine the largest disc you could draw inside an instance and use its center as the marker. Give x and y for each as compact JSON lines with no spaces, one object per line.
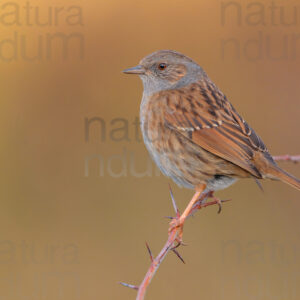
{"x":204,"y":115}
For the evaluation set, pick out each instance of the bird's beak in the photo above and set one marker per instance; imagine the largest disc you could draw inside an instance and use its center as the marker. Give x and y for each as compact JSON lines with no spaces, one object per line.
{"x":135,"y":70}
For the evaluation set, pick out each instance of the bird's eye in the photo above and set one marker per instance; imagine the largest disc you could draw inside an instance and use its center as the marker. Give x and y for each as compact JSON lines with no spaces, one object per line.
{"x":162,"y":66}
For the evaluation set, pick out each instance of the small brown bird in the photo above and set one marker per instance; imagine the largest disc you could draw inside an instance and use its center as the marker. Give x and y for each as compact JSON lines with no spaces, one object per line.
{"x":193,"y":132}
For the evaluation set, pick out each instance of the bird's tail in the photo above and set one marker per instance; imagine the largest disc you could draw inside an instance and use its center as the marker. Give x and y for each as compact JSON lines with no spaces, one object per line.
{"x":278,"y":173}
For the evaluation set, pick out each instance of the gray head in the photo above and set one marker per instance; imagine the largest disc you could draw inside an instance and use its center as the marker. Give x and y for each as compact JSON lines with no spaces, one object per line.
{"x":166,"y":69}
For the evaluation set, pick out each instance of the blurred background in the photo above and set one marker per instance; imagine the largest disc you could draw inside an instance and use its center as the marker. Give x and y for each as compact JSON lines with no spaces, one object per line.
{"x":80,"y":195}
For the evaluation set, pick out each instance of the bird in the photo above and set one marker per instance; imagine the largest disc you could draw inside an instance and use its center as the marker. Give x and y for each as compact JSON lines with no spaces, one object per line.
{"x":193,"y":133}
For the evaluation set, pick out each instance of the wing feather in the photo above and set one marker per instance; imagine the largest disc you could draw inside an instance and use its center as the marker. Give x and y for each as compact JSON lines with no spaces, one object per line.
{"x":215,"y":125}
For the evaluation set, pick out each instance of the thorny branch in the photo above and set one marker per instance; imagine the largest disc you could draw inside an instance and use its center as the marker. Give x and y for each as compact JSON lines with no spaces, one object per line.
{"x":172,"y":244}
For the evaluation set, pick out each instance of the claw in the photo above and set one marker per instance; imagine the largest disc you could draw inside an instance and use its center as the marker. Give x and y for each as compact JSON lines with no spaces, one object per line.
{"x":176,"y":225}
{"x":220,"y":205}
{"x":220,"y":202}
{"x":217,"y":201}
{"x":179,"y":243}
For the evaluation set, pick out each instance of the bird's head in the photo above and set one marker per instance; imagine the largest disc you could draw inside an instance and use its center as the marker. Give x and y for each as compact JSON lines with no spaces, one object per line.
{"x":166,"y":69}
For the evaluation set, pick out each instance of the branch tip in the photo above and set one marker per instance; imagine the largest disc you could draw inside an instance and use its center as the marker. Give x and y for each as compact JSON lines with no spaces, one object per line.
{"x":287,"y":157}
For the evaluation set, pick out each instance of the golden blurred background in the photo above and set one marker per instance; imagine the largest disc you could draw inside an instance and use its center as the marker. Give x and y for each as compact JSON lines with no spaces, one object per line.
{"x":79,"y":194}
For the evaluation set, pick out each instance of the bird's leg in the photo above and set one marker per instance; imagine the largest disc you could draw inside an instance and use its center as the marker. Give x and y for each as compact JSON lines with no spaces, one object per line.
{"x":177,"y":223}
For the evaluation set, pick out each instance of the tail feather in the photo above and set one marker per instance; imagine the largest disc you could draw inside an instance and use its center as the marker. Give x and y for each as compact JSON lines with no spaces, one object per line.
{"x":277,"y":173}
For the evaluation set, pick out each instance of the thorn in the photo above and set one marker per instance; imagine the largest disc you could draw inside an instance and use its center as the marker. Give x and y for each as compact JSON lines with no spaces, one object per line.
{"x":171,"y":218}
{"x":178,"y":255}
{"x":226,"y":200}
{"x":134,"y":287}
{"x":174,"y":203}
{"x":149,"y":251}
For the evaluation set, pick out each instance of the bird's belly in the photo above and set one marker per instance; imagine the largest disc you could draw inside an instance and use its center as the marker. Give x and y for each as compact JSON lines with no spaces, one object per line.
{"x":185,"y":163}
{"x":170,"y":166}
{"x":220,"y":182}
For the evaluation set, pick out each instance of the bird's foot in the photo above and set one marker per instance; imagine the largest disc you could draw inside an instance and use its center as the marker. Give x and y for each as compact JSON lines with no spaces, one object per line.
{"x":176,"y":225}
{"x":217,"y":201}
